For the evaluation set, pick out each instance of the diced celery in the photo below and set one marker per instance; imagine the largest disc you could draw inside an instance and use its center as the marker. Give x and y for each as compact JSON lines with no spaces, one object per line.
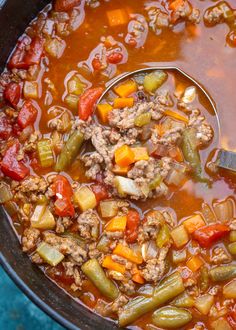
{"x":108,"y":208}
{"x":45,"y":221}
{"x":103,"y":244}
{"x":85,"y":198}
{"x":55,"y":47}
{"x":38,"y":213}
{"x":142,"y":119}
{"x":30,"y":90}
{"x":155,"y":182}
{"x":72,"y":101}
{"x":154,"y":80}
{"x":75,"y":85}
{"x":229,"y":290}
{"x":45,"y":153}
{"x":204,"y":303}
{"x":232,"y":248}
{"x":232,"y":236}
{"x":163,"y":236}
{"x":49,"y":254}
{"x":179,"y":236}
{"x":179,"y":256}
{"x":221,"y":324}
{"x":126,"y":186}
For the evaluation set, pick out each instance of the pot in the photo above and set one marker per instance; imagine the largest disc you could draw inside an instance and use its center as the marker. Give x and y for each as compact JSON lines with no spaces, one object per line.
{"x":15,"y":16}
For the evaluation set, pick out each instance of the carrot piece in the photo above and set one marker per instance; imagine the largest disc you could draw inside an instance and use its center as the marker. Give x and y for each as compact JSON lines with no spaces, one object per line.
{"x":126,"y":88}
{"x":194,"y":263}
{"x":103,"y":111}
{"x":127,"y":253}
{"x":122,"y":102}
{"x":117,"y":224}
{"x":176,"y":115}
{"x":176,"y":154}
{"x":140,"y":153}
{"x":138,"y":278}
{"x":110,"y":264}
{"x":117,"y":17}
{"x":124,"y":156}
{"x":176,"y":4}
{"x":193,"y":223}
{"x":122,"y":170}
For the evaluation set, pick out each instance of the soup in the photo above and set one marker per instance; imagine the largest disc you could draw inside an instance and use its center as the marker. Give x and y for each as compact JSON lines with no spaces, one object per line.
{"x":123,"y":198}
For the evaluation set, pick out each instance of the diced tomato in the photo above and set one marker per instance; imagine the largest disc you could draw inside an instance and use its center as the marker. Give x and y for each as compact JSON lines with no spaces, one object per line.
{"x":100,"y":192}
{"x":12,"y":93}
{"x":27,"y":114}
{"x":65,"y":5}
{"x":115,"y":57}
{"x":5,"y":127}
{"x":11,"y":167}
{"x":207,"y":235}
{"x":63,"y":191}
{"x":27,"y":53}
{"x":97,"y":64}
{"x":87,"y":102}
{"x":133,"y":220}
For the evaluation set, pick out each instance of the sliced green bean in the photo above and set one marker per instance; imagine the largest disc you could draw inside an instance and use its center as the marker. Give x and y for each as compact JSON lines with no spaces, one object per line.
{"x":171,"y":317}
{"x":168,"y":289}
{"x":183,"y":300}
{"x":96,"y":274}
{"x":222,"y":273}
{"x":204,"y":279}
{"x":70,"y":151}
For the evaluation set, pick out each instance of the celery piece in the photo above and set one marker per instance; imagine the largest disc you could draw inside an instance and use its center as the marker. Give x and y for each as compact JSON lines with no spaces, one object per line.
{"x":49,"y":254}
{"x":154,"y":80}
{"x":75,"y":86}
{"x":71,"y":101}
{"x":142,"y":119}
{"x":179,"y":236}
{"x":5,"y":193}
{"x":45,"y":153}
{"x":30,"y":90}
{"x":126,"y":186}
{"x":163,"y":236}
{"x":85,"y":198}
{"x":155,"y":182}
{"x":45,"y":221}
{"x":179,"y":256}
{"x":108,"y":208}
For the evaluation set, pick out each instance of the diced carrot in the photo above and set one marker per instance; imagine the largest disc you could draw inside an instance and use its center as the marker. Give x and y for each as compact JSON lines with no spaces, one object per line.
{"x":117,"y":17}
{"x":117,"y":224}
{"x":121,"y":170}
{"x":122,"y":102}
{"x":193,"y":223}
{"x":138,"y":278}
{"x":176,"y":115}
{"x":124,"y":156}
{"x":176,"y":4}
{"x":140,"y":153}
{"x":126,"y":88}
{"x":176,"y":154}
{"x":194,"y":263}
{"x":112,"y":265}
{"x":103,"y":111}
{"x":127,"y":253}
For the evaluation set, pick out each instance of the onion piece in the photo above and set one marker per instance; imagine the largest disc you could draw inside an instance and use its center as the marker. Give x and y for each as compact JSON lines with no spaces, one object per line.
{"x":5,"y":193}
{"x":126,"y":186}
{"x":189,"y":94}
{"x":108,"y":208}
{"x":149,"y":250}
{"x":174,"y":177}
{"x":224,"y":210}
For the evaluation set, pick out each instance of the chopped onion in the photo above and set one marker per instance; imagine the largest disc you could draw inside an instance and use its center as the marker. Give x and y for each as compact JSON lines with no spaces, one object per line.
{"x":224,"y":210}
{"x":146,"y":290}
{"x":174,"y":177}
{"x":108,"y":208}
{"x":151,"y":147}
{"x":189,"y":94}
{"x":126,"y":186}
{"x":5,"y":193}
{"x":149,"y":250}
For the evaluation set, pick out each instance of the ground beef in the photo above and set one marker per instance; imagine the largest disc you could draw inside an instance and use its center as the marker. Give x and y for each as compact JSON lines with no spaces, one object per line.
{"x":31,"y":144}
{"x":213,"y":16}
{"x":173,"y":133}
{"x":72,"y":270}
{"x":157,"y":19}
{"x":62,"y":224}
{"x":150,"y":226}
{"x":37,"y":259}
{"x":88,"y":224}
{"x":155,"y":268}
{"x":128,"y":287}
{"x":66,"y":246}
{"x":118,"y":303}
{"x":219,"y":256}
{"x":32,"y":184}
{"x":30,"y":239}
{"x":93,"y":252}
{"x":204,"y":132}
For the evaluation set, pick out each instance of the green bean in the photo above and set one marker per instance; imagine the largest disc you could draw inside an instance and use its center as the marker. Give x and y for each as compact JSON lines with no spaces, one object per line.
{"x":70,"y":151}
{"x":222,"y":273}
{"x":168,"y":289}
{"x":163,"y":236}
{"x":171,"y":317}
{"x":183,"y":300}
{"x":204,"y":279}
{"x":96,"y":274}
{"x":232,"y":236}
{"x":191,"y":153}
